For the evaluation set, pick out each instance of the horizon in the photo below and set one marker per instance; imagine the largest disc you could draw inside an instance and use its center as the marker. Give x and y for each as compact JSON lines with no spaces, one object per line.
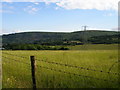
{"x":53,"y":32}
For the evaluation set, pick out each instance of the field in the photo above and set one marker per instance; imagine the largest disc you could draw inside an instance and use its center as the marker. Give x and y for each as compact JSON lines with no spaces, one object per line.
{"x":95,"y":47}
{"x":76,"y":68}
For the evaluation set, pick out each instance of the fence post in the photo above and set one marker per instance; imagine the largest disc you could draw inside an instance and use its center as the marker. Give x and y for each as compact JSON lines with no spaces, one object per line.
{"x":32,"y":58}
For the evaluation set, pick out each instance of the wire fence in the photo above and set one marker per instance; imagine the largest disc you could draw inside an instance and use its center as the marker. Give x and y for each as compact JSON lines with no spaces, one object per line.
{"x":72,"y":66}
{"x":9,"y":59}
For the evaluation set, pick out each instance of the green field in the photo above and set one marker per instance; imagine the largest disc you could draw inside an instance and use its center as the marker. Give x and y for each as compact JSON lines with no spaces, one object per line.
{"x":92,"y":72}
{"x":95,"y":47}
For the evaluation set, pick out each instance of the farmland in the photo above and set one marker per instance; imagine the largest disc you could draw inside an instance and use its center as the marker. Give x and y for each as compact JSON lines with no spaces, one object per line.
{"x":94,"y":66}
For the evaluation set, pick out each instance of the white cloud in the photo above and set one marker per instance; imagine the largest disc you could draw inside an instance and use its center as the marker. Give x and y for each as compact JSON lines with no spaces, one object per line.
{"x":117,"y":28}
{"x":89,"y":4}
{"x":36,"y":3}
{"x":50,"y":1}
{"x":56,"y":8}
{"x":105,"y":29}
{"x":109,"y":14}
{"x":98,"y":28}
{"x":78,"y":4}
{"x":34,"y":30}
{"x":7,"y":0}
{"x":31,"y":9}
{"x":6,"y":11}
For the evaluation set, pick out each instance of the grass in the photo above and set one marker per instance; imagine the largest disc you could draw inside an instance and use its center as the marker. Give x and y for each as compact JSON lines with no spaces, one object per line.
{"x":95,"y":47}
{"x":18,"y":74}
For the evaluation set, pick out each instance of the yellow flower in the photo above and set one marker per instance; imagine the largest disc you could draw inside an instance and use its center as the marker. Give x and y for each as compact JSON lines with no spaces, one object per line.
{"x":8,"y":79}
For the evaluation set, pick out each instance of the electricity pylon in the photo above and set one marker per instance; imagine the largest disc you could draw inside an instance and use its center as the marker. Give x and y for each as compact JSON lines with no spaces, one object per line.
{"x":85,"y":28}
{"x":85,"y":35}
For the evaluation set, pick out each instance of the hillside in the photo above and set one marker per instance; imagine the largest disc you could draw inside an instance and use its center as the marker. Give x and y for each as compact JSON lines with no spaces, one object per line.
{"x":49,"y":37}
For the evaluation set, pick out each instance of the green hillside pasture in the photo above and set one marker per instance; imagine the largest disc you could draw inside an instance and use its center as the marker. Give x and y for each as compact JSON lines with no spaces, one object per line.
{"x":94,"y":47}
{"x":17,"y":74}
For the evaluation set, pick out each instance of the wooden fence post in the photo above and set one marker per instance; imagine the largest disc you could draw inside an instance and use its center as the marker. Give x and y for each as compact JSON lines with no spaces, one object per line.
{"x":32,"y":58}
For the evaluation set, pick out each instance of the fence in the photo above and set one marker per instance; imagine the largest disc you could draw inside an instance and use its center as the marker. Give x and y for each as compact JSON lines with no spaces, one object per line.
{"x":33,"y":65}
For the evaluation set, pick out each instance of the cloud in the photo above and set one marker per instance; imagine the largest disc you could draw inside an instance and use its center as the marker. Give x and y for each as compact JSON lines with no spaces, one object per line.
{"x":89,"y":4}
{"x":31,"y":9}
{"x":105,"y":29}
{"x":92,"y":28}
{"x":50,"y":1}
{"x":36,"y":3}
{"x":109,"y":14}
{"x":78,"y":4}
{"x":56,"y":8}
{"x":6,"y":9}
{"x":117,"y":28}
{"x":7,"y":0}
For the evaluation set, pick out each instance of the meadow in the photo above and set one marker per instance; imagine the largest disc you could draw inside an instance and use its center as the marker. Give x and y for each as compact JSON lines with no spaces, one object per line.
{"x":81,"y":67}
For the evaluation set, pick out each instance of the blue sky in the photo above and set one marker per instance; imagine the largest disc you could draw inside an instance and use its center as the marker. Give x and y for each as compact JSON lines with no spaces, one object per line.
{"x":50,"y":17}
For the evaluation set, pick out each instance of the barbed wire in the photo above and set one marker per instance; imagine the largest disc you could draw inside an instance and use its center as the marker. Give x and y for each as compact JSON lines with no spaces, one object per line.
{"x":76,"y":74}
{"x":112,"y":66}
{"x":15,"y":55}
{"x":15,"y":60}
{"x":8,"y":71}
{"x":68,"y":65}
{"x":61,"y":70}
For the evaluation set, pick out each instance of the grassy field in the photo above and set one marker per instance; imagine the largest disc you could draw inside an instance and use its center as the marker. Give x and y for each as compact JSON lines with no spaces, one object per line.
{"x":17,"y":70}
{"x":95,"y":47}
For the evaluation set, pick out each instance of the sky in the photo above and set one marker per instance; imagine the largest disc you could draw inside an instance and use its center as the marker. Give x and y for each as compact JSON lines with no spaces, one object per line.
{"x":58,"y":15}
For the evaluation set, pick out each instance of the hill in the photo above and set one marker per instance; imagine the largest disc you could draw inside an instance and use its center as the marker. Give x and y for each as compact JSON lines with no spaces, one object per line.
{"x":53,"y":38}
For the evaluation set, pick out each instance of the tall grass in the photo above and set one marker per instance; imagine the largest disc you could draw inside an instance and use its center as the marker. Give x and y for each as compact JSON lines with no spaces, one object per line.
{"x":18,"y":74}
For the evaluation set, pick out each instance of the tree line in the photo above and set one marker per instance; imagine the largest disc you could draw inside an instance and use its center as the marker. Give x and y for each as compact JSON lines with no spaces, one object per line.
{"x":32,"y":47}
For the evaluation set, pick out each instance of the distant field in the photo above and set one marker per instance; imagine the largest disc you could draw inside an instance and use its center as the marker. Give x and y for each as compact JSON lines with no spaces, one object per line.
{"x":92,"y":72}
{"x":95,"y":47}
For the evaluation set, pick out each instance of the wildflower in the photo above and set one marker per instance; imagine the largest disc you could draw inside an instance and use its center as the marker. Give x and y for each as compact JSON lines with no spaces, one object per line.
{"x":8,"y":79}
